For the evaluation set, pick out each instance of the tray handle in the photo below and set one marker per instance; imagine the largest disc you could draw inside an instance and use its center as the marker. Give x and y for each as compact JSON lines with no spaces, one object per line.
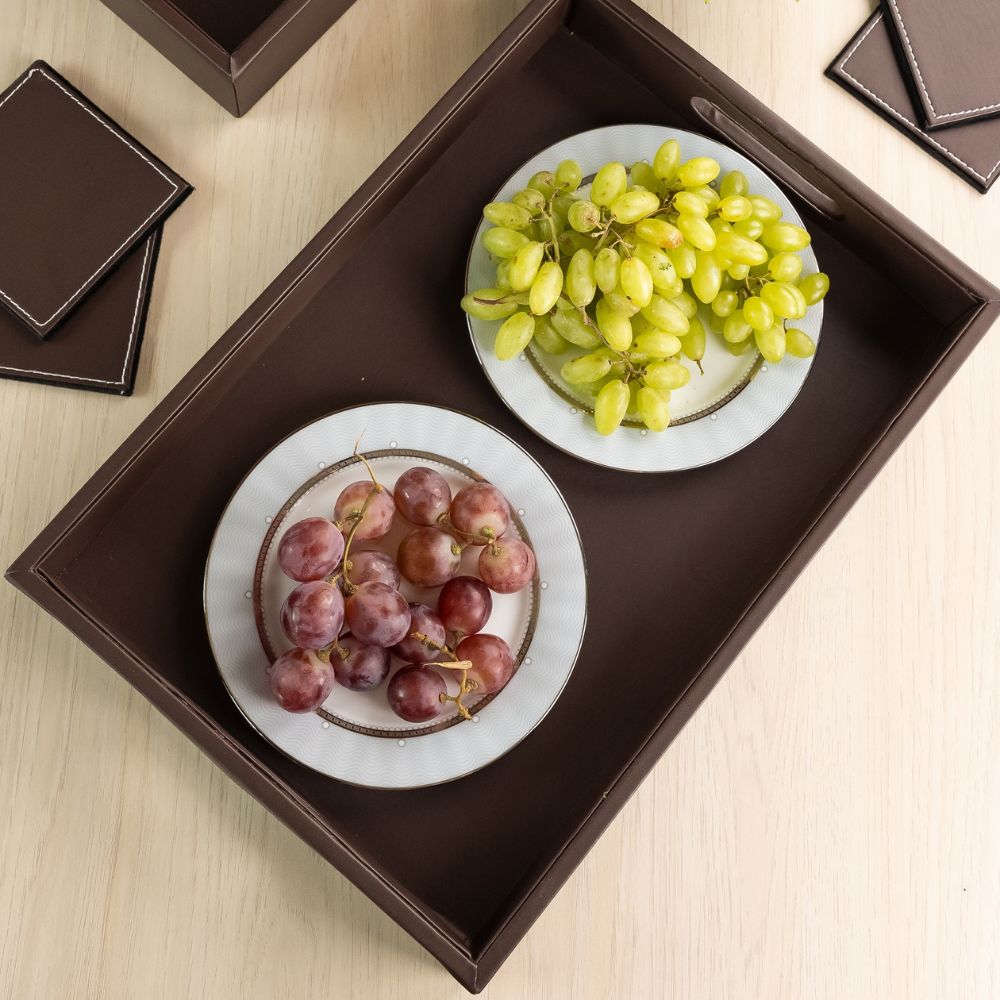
{"x":756,"y":146}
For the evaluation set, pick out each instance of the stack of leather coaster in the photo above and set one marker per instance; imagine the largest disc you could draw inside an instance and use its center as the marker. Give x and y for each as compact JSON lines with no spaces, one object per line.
{"x":931,"y":69}
{"x":82,"y":208}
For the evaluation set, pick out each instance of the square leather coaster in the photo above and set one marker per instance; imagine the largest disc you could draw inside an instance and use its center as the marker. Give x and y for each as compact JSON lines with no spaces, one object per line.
{"x":869,"y":69}
{"x":77,"y":194}
{"x":97,"y":346}
{"x":950,"y":48}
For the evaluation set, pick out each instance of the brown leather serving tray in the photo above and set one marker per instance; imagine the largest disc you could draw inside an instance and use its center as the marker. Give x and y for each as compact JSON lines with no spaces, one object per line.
{"x":235,"y":50}
{"x":902,"y":318}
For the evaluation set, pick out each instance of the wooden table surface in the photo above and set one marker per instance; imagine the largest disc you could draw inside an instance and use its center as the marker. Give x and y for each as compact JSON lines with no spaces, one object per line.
{"x":828,"y":826}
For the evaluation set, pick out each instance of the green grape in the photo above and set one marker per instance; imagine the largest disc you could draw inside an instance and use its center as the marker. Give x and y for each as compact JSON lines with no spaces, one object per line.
{"x":707,"y":194}
{"x":785,"y":267}
{"x":771,"y":343}
{"x":814,"y":287}
{"x":736,"y":329}
{"x":716,"y":323}
{"x":514,"y":336}
{"x":584,"y":216}
{"x":547,"y":338}
{"x":563,"y":304}
{"x":659,"y":233}
{"x":630,"y":207}
{"x":699,"y":171}
{"x":621,"y":303}
{"x":614,"y":326}
{"x":725,"y":303}
{"x":741,"y":250}
{"x":684,"y":260}
{"x":667,"y":160}
{"x":486,"y":309}
{"x":799,"y":344}
{"x":690,"y":204}
{"x":503,"y":242}
{"x":546,"y":288}
{"x":719,"y":225}
{"x":734,"y":183}
{"x":571,"y":327}
{"x":587,"y":369}
{"x":607,"y":266}
{"x":610,"y":182}
{"x":545,"y":182}
{"x":660,"y":268}
{"x":764,"y":209}
{"x":750,"y":228}
{"x":740,"y":347}
{"x":758,"y":313}
{"x":686,"y":303}
{"x":785,"y":236}
{"x":697,"y":232}
{"x":654,"y":408}
{"x":666,"y":375}
{"x":786,"y":301}
{"x":706,"y":281}
{"x":532,"y":200}
{"x":611,"y":406}
{"x":738,"y":272}
{"x":735,"y":208}
{"x":503,"y":276}
{"x":643,"y":174}
{"x":658,"y":344}
{"x":524,"y":266}
{"x":581,"y":284}
{"x":664,"y":315}
{"x":636,"y":281}
{"x":693,"y":342}
{"x":570,"y":241}
{"x":505,"y":213}
{"x":569,"y":173}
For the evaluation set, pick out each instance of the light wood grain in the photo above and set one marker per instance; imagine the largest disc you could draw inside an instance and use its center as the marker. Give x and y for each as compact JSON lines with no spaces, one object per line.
{"x":828,"y":826}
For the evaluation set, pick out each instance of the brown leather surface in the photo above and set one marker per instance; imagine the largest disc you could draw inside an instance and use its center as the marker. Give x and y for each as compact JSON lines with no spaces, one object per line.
{"x":228,"y":23}
{"x":666,"y":617}
{"x":97,"y":346}
{"x":950,"y":48}
{"x":76,"y":195}
{"x":869,"y":68}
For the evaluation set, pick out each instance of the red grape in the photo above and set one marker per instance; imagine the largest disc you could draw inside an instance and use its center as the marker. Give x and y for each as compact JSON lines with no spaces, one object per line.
{"x":492,"y":661}
{"x":465,"y":605}
{"x":377,"y":614}
{"x":480,"y":510}
{"x":300,"y":680}
{"x":377,"y":519}
{"x":427,"y":557}
{"x":422,"y":495}
{"x":423,"y":620}
{"x":415,"y":693}
{"x":368,"y":566}
{"x":365,"y":667}
{"x":313,"y":614}
{"x":507,"y":566}
{"x":310,"y":549}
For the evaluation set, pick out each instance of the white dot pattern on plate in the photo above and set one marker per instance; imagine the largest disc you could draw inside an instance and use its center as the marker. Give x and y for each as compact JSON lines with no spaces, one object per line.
{"x":248,"y":594}
{"x":401,"y":743}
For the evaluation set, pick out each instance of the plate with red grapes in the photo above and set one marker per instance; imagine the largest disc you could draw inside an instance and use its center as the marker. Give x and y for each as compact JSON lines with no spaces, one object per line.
{"x":396,"y":595}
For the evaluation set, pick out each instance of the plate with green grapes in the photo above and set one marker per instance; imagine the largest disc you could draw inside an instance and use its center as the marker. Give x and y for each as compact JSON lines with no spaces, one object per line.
{"x":644,"y":298}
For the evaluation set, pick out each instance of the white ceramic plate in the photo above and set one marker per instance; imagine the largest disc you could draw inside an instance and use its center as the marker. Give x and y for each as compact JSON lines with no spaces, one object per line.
{"x":354,"y":736}
{"x":716,"y":414}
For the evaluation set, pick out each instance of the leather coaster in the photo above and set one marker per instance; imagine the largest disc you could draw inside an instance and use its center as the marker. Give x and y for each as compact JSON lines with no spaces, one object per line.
{"x":77,"y":194}
{"x":950,"y":49}
{"x":869,"y":69}
{"x":97,"y":346}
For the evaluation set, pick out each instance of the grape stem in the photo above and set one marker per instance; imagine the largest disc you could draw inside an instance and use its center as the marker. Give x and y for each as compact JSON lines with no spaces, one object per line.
{"x":334,"y":647}
{"x":436,"y":646}
{"x":357,"y":516}
{"x":465,"y":686}
{"x":487,"y":533}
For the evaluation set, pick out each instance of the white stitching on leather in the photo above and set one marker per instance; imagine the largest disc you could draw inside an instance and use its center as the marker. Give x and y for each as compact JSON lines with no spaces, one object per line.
{"x":173,"y":190}
{"x":920,"y":78}
{"x":128,"y":349}
{"x":896,"y":114}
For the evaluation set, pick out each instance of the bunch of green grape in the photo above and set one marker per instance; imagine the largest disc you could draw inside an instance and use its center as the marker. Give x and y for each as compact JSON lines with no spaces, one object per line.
{"x":623,"y":274}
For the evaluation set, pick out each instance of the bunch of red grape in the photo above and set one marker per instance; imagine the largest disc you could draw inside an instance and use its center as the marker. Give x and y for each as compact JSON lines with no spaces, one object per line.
{"x":347,"y":617}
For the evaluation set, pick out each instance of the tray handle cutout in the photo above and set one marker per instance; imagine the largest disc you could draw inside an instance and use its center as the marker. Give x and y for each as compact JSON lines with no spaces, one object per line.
{"x":757,"y":148}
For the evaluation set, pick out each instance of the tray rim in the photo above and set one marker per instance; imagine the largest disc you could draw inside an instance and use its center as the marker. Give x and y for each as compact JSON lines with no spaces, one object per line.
{"x":34,"y":572}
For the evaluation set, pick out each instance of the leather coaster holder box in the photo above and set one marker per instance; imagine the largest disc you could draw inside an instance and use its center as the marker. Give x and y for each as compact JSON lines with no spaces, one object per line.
{"x":869,"y":69}
{"x":82,"y":205}
{"x":950,"y":52}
